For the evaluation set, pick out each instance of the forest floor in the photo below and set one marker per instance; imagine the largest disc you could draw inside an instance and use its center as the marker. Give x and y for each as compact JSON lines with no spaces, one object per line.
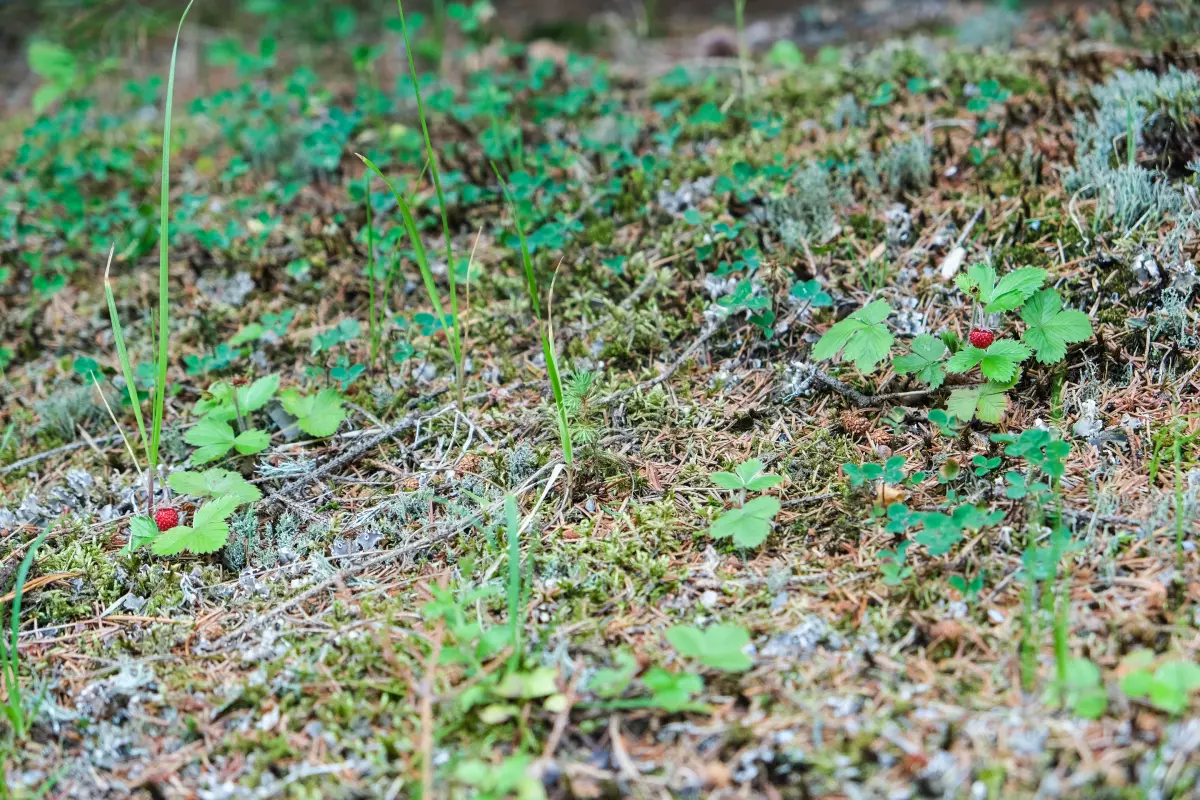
{"x":848,"y":446}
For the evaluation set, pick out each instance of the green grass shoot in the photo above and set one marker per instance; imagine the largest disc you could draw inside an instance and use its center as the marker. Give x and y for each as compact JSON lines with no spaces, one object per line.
{"x":514,"y":578}
{"x":422,"y":256}
{"x":437,"y":185}
{"x":564,"y":427}
{"x":371,"y":321}
{"x":14,"y":704}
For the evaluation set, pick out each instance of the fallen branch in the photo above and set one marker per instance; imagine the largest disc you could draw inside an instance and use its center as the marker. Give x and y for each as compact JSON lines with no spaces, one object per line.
{"x":814,"y":375}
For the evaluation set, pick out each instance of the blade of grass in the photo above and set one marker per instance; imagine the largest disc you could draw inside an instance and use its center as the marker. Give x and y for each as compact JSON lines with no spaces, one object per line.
{"x":514,"y":579}
{"x":164,"y":299}
{"x":371,"y":279}
{"x":387,"y":283}
{"x":410,"y":225}
{"x":123,"y":356}
{"x":120,"y":430}
{"x":437,"y":180}
{"x":12,"y":660}
{"x":548,"y":350}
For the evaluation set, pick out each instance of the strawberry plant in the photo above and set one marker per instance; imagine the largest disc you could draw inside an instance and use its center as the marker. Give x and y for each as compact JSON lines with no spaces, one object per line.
{"x":863,"y":337}
{"x":207,"y":533}
{"x":317,"y":415}
{"x":215,"y":482}
{"x":214,"y":438}
{"x":749,"y":524}
{"x":720,"y":647}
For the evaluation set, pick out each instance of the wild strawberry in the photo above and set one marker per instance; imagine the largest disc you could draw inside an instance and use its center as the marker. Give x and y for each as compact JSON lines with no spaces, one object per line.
{"x":982,"y":338}
{"x":166,"y":518}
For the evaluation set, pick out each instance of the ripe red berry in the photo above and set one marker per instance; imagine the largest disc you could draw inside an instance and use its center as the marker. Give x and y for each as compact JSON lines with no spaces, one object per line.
{"x":166,"y":518}
{"x":982,"y":338}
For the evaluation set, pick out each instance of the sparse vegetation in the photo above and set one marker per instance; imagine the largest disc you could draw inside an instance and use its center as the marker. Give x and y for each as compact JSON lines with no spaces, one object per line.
{"x":809,"y":419}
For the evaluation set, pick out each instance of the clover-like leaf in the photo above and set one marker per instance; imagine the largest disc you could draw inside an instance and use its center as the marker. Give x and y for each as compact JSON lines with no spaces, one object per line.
{"x":207,"y":534}
{"x":672,"y":691}
{"x":142,"y":531}
{"x":1009,"y":293}
{"x":862,"y":337}
{"x":810,"y":291}
{"x":925,"y":360}
{"x":1050,"y":329}
{"x":997,"y":363}
{"x":721,"y":646}
{"x":317,"y":415}
{"x":987,"y":402}
{"x":212,"y":439}
{"x":748,"y":525}
{"x":215,"y":482}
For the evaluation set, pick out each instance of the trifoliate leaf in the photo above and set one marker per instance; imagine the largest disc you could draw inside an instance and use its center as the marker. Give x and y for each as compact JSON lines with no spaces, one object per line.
{"x":997,"y":363}
{"x":1050,"y":329}
{"x":924,"y":360}
{"x":811,"y":292}
{"x":863,"y":335}
{"x":316,"y":415}
{"x":987,"y":402}
{"x":215,"y":482}
{"x":207,"y":533}
{"x":248,"y":442}
{"x":142,"y":530}
{"x":748,"y":525}
{"x":720,"y":646}
{"x":1014,"y":289}
{"x":212,"y":439}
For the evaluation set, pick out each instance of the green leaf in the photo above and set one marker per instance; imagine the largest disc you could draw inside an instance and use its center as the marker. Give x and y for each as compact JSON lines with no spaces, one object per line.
{"x":247,"y":334}
{"x":987,"y":402}
{"x":671,"y":691}
{"x":215,"y":482}
{"x":142,"y":530}
{"x":863,"y":335}
{"x":248,"y":442}
{"x":924,"y":360}
{"x":999,"y":362}
{"x":257,"y":394}
{"x":748,"y":525}
{"x":1050,"y":329}
{"x":207,"y":533}
{"x":614,"y":681}
{"x":720,"y":646}
{"x":317,"y":415}
{"x":726,"y":480}
{"x":1014,"y":289}
{"x":212,"y":439}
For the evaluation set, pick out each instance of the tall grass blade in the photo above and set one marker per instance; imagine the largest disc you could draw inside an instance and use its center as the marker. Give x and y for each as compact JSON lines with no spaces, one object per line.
{"x":514,"y":578}
{"x":12,"y":659}
{"x":123,"y":356}
{"x":433,"y":169}
{"x":564,"y":428}
{"x":371,"y":279}
{"x":410,"y":225}
{"x":164,"y":299}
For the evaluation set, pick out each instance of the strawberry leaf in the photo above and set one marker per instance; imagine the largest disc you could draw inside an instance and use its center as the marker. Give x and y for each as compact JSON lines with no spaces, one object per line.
{"x":207,"y":533}
{"x":316,"y":415}
{"x":997,"y":363}
{"x":863,"y":336}
{"x":925,"y":360}
{"x":142,"y":530}
{"x":748,"y":525}
{"x":1050,"y":329}
{"x":215,"y":483}
{"x":212,"y":439}
{"x":248,"y":442}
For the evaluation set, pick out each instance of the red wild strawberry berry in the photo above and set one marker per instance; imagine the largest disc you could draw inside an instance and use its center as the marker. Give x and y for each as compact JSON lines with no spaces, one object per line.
{"x":982,"y":338}
{"x":166,"y":518}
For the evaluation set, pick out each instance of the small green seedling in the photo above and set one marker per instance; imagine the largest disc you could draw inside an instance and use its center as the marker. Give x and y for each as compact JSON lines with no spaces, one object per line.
{"x":863,"y":337}
{"x":720,"y":647}
{"x":1168,"y":687}
{"x":748,"y":525}
{"x":317,"y":415}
